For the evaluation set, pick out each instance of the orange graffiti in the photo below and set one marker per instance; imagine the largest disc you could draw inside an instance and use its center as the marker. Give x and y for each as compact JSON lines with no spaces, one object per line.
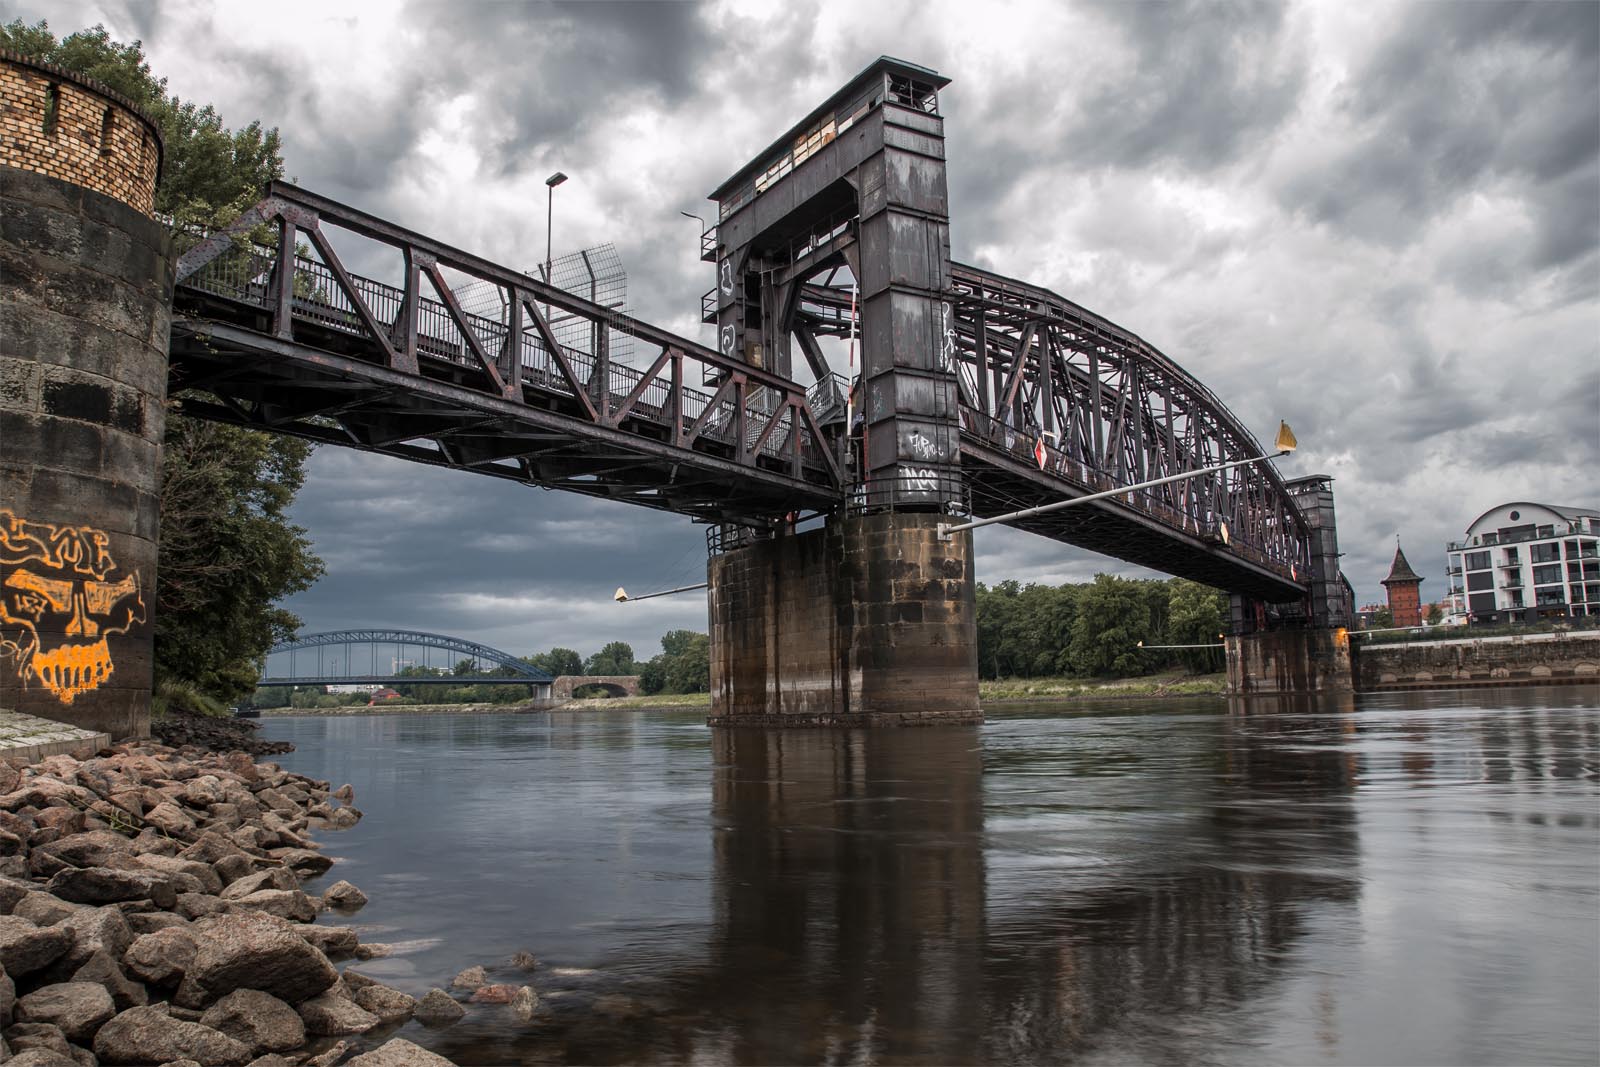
{"x":59,"y":580}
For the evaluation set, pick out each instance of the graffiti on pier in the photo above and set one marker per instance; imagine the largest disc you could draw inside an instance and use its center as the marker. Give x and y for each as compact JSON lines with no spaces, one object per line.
{"x":60,"y":585}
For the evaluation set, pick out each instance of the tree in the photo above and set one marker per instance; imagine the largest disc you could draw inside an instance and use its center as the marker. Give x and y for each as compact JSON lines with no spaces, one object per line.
{"x":1382,"y":619}
{"x":227,"y":552}
{"x":1435,"y":614}
{"x":1113,"y":617}
{"x":614,"y":658}
{"x":557,"y":662}
{"x":1196,"y":618}
{"x":689,"y":671}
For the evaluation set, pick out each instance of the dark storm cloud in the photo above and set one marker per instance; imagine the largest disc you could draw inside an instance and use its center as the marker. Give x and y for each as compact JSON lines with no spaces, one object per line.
{"x":1461,"y":97}
{"x":548,"y":71}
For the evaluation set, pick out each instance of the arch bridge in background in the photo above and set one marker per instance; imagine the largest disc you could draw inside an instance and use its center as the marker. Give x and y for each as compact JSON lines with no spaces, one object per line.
{"x":318,"y":644}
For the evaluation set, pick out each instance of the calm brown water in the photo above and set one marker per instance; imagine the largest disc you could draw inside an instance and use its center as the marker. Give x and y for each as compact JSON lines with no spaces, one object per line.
{"x":1396,"y":879}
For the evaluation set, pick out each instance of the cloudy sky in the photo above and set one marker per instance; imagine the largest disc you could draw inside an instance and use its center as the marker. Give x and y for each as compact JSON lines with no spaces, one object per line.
{"x":1380,"y":222}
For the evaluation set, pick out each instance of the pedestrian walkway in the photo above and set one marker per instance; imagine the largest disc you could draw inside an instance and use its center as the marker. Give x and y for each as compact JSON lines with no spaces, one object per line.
{"x":34,"y":738}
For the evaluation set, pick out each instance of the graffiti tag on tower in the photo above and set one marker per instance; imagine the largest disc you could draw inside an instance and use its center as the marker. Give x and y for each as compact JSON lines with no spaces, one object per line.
{"x":61,"y":595}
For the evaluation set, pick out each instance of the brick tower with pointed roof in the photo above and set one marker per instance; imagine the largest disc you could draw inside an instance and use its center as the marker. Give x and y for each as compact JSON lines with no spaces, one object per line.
{"x":1405,"y":591}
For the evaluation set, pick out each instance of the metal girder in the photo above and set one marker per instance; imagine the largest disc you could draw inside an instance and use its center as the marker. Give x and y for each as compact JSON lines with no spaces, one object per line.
{"x":242,"y":306}
{"x":527,"y":671}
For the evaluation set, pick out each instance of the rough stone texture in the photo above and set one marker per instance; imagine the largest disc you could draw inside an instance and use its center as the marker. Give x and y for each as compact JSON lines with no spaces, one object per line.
{"x":386,"y":1003}
{"x":398,"y":1052}
{"x":107,"y":885}
{"x":525,"y":1003}
{"x":438,"y":1008}
{"x":259,"y":1020}
{"x":24,"y":947}
{"x":471,"y":978}
{"x":41,"y":1057}
{"x":272,"y":878}
{"x":332,"y":1013}
{"x":869,"y":621}
{"x":163,"y":957}
{"x":150,"y":1035}
{"x":102,"y":968}
{"x":1567,"y":659}
{"x":251,"y":950}
{"x":84,"y":317}
{"x":284,"y":903}
{"x":342,"y":894}
{"x":78,"y":1008}
{"x":1289,"y":661}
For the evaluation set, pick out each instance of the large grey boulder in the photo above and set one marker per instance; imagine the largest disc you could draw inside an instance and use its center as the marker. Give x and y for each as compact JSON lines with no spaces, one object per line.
{"x":78,"y":1008}
{"x":164,"y":957}
{"x":92,"y":848}
{"x":150,"y":1035}
{"x":259,"y":1020}
{"x":398,"y":1052}
{"x":333,"y":1013}
{"x":26,"y":947}
{"x":202,"y":873}
{"x":342,"y":894}
{"x":107,"y":885}
{"x":251,"y":950}
{"x":43,"y":908}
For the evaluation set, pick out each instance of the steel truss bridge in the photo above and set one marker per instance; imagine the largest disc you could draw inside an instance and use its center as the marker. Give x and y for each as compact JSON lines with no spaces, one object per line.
{"x":324,"y":652}
{"x":272,"y":331}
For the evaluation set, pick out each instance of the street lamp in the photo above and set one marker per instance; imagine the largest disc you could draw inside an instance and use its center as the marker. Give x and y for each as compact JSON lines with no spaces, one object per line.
{"x":622,"y":596}
{"x":1284,"y":442}
{"x":549,"y":217}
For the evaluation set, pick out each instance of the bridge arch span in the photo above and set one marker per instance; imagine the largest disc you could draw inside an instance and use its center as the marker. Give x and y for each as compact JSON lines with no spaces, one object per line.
{"x":520,"y":670}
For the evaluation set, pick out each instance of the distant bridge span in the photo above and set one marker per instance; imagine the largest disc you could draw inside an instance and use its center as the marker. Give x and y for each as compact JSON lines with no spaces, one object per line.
{"x":319,"y":644}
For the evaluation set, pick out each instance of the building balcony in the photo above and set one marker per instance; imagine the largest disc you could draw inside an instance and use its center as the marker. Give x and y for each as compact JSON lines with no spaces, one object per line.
{"x":1512,"y":583}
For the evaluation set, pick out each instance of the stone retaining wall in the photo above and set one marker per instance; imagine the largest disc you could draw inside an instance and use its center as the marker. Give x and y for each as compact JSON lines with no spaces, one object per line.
{"x":1570,"y":658}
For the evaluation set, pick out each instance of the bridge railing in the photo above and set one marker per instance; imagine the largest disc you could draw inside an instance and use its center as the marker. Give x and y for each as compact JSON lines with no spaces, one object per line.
{"x":758,"y":416}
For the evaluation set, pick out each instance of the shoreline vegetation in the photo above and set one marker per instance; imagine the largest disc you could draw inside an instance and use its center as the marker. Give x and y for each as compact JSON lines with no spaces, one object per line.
{"x":1000,"y":691}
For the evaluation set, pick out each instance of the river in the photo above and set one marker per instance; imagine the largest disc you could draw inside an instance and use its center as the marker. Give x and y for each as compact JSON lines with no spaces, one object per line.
{"x":1385,"y":879}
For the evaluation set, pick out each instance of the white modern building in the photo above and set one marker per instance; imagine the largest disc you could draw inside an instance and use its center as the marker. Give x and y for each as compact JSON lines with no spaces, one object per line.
{"x":1523,"y":562}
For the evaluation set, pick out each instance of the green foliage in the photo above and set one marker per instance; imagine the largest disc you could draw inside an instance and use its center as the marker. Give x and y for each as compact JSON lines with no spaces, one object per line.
{"x":1114,"y":615}
{"x":683,"y":666}
{"x":228,"y":553}
{"x":557,"y":662}
{"x":173,"y":695}
{"x":1435,"y":614}
{"x":614,"y":658}
{"x":1196,"y":616}
{"x":1382,"y":619}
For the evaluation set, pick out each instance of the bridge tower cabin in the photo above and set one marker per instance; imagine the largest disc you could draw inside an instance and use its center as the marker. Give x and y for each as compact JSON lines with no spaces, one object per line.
{"x":84,"y":315}
{"x":870,"y":619}
{"x":1404,"y":587}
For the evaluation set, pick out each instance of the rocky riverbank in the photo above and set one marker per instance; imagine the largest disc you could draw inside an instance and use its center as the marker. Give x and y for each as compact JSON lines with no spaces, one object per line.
{"x":152,"y":912}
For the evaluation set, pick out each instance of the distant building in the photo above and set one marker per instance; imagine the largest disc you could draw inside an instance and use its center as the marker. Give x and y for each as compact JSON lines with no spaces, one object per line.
{"x":1404,"y":587}
{"x":1523,"y":562}
{"x":383,"y":695}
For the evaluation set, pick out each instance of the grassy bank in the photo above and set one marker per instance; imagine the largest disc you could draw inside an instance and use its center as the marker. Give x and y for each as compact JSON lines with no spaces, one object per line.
{"x":1017,"y":690}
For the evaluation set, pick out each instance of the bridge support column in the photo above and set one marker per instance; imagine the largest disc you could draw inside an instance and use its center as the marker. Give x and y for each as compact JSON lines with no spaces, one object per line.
{"x":1290,"y":661}
{"x":84,"y":313}
{"x":869,"y":621}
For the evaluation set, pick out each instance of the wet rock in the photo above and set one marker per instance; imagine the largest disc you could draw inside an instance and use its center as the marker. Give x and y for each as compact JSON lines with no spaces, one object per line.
{"x":471,"y":978}
{"x":375,"y":950}
{"x":272,"y":1059}
{"x":342,"y":894}
{"x":398,"y":1052}
{"x":106,"y":885}
{"x":77,"y":1008}
{"x":162,"y":958}
{"x":258,"y":1020}
{"x":256,"y":951}
{"x":524,"y":1003}
{"x":304,"y":860}
{"x":149,"y":1035}
{"x":345,"y":793}
{"x":332,"y":1013}
{"x":102,"y":969}
{"x":438,"y":1008}
{"x":389,"y":1005}
{"x":330,"y":1057}
{"x":25,"y":947}
{"x":493,"y":994}
{"x":524,"y":961}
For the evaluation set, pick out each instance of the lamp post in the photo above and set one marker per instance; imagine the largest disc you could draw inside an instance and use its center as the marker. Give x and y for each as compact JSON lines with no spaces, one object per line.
{"x":1285,"y":444}
{"x":549,"y":218}
{"x":622,"y":596}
